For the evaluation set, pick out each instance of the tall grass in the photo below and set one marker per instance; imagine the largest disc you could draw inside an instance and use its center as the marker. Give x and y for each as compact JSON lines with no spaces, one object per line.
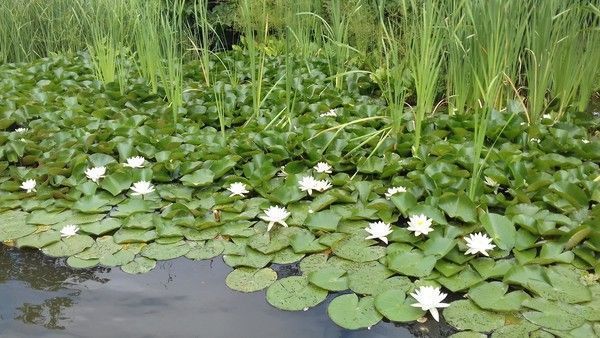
{"x":459,"y":82}
{"x":146,"y":36}
{"x":171,"y":51}
{"x":498,"y":31}
{"x":391,"y":76}
{"x":425,"y":43}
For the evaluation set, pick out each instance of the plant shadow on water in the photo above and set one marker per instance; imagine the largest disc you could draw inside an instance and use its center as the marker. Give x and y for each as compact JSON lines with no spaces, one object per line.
{"x":44,"y":297}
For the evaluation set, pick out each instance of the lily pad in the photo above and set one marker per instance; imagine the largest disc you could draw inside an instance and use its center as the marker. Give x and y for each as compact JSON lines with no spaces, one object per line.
{"x":394,"y":305}
{"x":358,"y":250}
{"x":38,"y":240}
{"x":493,"y":296}
{"x":465,"y":315}
{"x":161,"y":252}
{"x":69,"y":246}
{"x":207,"y":250}
{"x":249,"y":279}
{"x":350,"y":312}
{"x":329,"y":278}
{"x":139,"y":265}
{"x":412,"y":263}
{"x":294,"y":293}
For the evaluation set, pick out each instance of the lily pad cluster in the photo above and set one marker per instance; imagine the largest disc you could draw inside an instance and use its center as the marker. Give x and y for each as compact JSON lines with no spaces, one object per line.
{"x":537,"y":202}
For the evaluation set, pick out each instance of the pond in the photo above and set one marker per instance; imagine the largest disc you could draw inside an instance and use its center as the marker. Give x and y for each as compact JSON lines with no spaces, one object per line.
{"x":43,"y":297}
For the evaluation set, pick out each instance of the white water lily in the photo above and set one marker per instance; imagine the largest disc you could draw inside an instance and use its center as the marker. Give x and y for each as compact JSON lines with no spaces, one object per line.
{"x":330,"y":113}
{"x":95,"y":173}
{"x":379,"y":230}
{"x":21,"y":130}
{"x":536,"y":140}
{"x":585,"y":141}
{"x":322,"y":167}
{"x":478,"y":242}
{"x":491,"y":182}
{"x":419,"y":224}
{"x":237,"y":188}
{"x":322,"y":185}
{"x":135,"y":162}
{"x":394,"y":190}
{"x":547,"y":116}
{"x":275,"y":214}
{"x":29,"y":185}
{"x":429,"y":298}
{"x":68,"y":231}
{"x":308,"y":184}
{"x":141,"y":188}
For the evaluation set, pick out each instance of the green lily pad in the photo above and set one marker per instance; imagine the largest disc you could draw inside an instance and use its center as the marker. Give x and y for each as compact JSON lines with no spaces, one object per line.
{"x":323,"y":220}
{"x":13,"y":226}
{"x":69,"y":246}
{"x":38,"y":240}
{"x":250,"y":258}
{"x":286,"y":256}
{"x":458,"y":206}
{"x":198,"y":178}
{"x":249,"y":279}
{"x":465,"y":315}
{"x":350,"y":312}
{"x":294,"y":294}
{"x":329,"y":278}
{"x":412,"y":263}
{"x":515,"y":330}
{"x":207,"y":250}
{"x":161,"y":252}
{"x":123,"y":256}
{"x":314,"y":262}
{"x":394,"y":305}
{"x":366,"y":278}
{"x":553,"y":315}
{"x":358,"y":250}
{"x":103,"y":246}
{"x":123,"y":236}
{"x":79,"y":263}
{"x":493,"y":296}
{"x":139,"y":265}
{"x":102,"y":227}
{"x":501,"y":230}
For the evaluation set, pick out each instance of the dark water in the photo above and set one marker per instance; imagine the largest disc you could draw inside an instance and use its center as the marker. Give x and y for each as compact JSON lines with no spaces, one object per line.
{"x":43,"y":297}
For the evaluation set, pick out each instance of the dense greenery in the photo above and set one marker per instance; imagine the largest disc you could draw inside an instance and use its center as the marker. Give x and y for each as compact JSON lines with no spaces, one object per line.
{"x":499,"y":142}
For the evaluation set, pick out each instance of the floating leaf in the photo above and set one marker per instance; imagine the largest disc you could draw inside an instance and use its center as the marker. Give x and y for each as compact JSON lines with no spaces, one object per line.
{"x":294,"y":294}
{"x":351,"y":313}
{"x":161,"y":252}
{"x":458,"y":206}
{"x":465,"y":315}
{"x":413,"y":263}
{"x":249,"y":279}
{"x":493,"y":296}
{"x":394,"y":305}
{"x":69,"y":246}
{"x":139,"y":265}
{"x":501,"y":230}
{"x":208,"y":250}
{"x":329,"y":278}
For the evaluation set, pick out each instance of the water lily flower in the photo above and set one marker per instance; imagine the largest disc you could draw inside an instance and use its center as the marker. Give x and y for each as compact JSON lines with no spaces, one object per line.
{"x":308,"y":184}
{"x":95,"y":173}
{"x":491,"y":182}
{"x":419,"y":224}
{"x":586,"y":141}
{"x":141,"y":188}
{"x":379,"y":230}
{"x":29,"y":185}
{"x":547,"y":116}
{"x":536,"y":140}
{"x":275,"y":214}
{"x":394,"y":190}
{"x":68,"y":231}
{"x":21,"y":130}
{"x":322,"y":185}
{"x":135,"y":162}
{"x":330,"y":113}
{"x":478,"y":242}
{"x":322,"y":167}
{"x":237,"y":188}
{"x":429,"y":298}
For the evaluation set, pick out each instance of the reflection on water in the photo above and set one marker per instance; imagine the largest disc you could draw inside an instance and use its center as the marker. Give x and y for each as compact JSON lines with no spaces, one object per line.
{"x":43,"y":297}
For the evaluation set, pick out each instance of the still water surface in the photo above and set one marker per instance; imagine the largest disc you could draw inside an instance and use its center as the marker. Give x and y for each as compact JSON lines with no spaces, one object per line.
{"x":43,"y":297}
